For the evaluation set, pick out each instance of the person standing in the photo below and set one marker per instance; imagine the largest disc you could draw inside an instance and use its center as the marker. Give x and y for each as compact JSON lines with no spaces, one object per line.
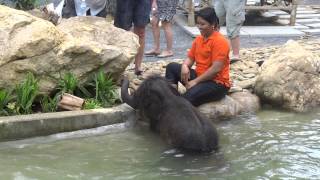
{"x":162,"y":11}
{"x":210,"y":80}
{"x":71,"y":8}
{"x":232,"y":12}
{"x":136,"y":12}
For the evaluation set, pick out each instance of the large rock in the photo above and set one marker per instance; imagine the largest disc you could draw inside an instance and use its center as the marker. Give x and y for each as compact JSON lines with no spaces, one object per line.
{"x":250,"y":103}
{"x":223,"y":109}
{"x":80,"y":45}
{"x":290,"y":78}
{"x":230,"y":106}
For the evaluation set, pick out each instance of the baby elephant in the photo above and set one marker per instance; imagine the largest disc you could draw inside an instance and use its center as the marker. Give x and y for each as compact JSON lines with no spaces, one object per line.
{"x":179,"y":123}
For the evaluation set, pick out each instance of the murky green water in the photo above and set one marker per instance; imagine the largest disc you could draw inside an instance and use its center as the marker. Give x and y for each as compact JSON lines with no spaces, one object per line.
{"x":271,"y":145}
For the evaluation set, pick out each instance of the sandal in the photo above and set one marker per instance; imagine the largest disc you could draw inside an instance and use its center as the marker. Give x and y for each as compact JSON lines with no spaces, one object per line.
{"x":165,"y":55}
{"x":151,"y":53}
{"x":234,"y":59}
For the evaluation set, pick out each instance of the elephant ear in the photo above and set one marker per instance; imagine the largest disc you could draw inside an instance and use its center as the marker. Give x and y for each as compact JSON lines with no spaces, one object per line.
{"x":125,"y":94}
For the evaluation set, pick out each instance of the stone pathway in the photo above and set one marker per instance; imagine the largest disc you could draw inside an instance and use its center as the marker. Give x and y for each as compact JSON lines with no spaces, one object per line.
{"x":308,"y":19}
{"x":308,"y":22}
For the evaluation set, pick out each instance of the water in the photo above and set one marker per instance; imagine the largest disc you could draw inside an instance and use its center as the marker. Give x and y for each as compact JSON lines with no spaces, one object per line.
{"x":271,"y":145}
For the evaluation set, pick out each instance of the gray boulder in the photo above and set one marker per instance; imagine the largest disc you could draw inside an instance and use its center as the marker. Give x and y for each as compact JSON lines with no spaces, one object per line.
{"x":80,"y":45}
{"x":290,"y":78}
{"x":230,"y":106}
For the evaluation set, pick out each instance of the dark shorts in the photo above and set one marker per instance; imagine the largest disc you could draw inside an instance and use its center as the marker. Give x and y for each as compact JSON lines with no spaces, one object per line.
{"x":130,"y":12}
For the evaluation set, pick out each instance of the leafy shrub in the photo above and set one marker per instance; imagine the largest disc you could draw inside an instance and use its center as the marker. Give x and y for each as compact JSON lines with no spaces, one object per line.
{"x":105,"y":89}
{"x":49,"y":104}
{"x":68,"y":83}
{"x":92,"y":104}
{"x":5,"y":98}
{"x":25,"y":94}
{"x":25,"y":4}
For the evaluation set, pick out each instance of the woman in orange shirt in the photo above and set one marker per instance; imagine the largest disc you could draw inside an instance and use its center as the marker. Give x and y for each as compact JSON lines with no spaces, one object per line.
{"x":209,"y":81}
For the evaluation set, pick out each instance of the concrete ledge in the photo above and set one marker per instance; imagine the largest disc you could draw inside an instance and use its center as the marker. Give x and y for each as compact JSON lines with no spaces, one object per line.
{"x":25,"y":126}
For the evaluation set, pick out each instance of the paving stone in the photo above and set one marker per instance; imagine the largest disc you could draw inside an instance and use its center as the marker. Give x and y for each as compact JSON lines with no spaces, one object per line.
{"x":301,"y":16}
{"x":278,"y":12}
{"x":307,"y":12}
{"x":312,"y":31}
{"x":272,"y":31}
{"x":315,"y":25}
{"x":307,"y":20}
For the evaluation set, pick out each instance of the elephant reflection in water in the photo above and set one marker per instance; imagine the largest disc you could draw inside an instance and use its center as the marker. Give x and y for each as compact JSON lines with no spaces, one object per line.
{"x":177,"y":121}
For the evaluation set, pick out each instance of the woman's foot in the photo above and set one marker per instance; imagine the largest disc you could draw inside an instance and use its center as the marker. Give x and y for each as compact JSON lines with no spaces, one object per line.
{"x":165,"y":54}
{"x":152,"y":53}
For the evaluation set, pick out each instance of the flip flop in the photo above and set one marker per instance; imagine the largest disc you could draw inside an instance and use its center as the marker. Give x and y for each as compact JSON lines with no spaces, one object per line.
{"x":151,"y":53}
{"x":164,"y":55}
{"x":234,"y":59}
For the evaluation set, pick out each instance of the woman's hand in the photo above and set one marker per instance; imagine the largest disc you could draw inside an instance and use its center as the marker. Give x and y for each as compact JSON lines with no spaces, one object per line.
{"x":154,"y":7}
{"x":185,"y":74}
{"x":191,"y":83}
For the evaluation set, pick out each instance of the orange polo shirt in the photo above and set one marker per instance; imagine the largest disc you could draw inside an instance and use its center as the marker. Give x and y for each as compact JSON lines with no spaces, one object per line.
{"x":205,"y":52}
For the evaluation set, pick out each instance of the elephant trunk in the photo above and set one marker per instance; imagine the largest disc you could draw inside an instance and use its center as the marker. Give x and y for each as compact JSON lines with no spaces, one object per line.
{"x":125,"y":95}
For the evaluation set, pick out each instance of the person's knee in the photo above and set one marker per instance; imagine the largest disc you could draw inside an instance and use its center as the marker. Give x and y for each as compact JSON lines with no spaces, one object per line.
{"x":233,"y":32}
{"x":140,"y":31}
{"x":154,"y":22}
{"x":166,"y":24}
{"x":233,"y":27}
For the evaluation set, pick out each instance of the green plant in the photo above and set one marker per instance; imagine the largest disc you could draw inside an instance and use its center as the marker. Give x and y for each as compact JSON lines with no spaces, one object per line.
{"x":5,"y":98}
{"x":68,"y":83}
{"x":11,"y":108}
{"x":49,"y":104}
{"x":25,"y":94}
{"x":105,"y":89}
{"x":26,"y":4}
{"x":92,"y":104}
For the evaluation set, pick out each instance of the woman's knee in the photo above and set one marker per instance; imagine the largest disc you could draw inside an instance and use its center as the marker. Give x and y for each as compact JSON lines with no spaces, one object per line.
{"x":154,"y":22}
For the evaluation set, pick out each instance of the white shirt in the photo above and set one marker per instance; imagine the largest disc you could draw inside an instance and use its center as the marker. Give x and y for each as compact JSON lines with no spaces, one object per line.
{"x":95,"y":6}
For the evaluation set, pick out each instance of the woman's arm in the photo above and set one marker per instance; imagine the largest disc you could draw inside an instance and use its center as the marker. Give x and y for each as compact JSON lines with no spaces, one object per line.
{"x":208,"y":75}
{"x":185,"y":72}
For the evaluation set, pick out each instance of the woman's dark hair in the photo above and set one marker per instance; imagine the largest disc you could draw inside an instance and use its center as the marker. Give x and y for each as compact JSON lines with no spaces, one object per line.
{"x":209,"y":15}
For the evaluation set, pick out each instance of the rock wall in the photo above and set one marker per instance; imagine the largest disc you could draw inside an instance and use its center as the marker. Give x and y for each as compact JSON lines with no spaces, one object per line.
{"x":81,"y":45}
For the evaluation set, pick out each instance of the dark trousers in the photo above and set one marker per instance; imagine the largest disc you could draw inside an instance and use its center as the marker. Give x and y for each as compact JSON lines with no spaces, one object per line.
{"x":199,"y":94}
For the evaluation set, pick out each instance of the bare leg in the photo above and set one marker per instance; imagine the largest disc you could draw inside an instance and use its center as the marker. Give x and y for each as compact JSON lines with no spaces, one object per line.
{"x":156,"y":34}
{"x":169,"y":35}
{"x":235,"y":45}
{"x":140,"y":31}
